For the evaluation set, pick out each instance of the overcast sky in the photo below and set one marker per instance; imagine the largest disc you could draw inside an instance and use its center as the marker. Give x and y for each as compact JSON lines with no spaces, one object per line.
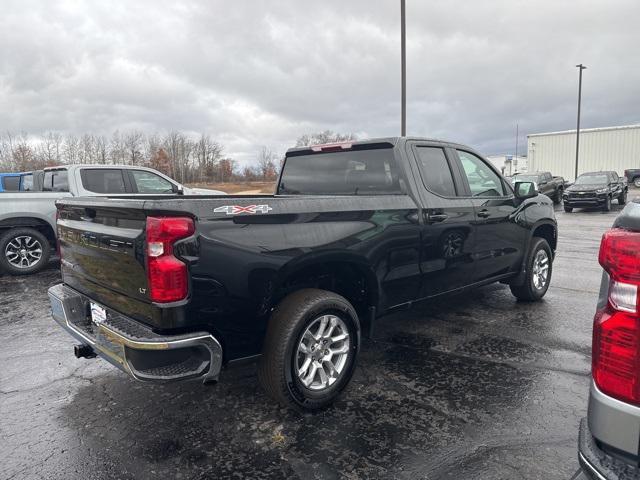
{"x":255,"y":73}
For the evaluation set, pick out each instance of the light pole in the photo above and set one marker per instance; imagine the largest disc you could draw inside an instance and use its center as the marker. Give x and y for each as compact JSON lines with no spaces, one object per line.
{"x":403,"y":61}
{"x":581,"y":68}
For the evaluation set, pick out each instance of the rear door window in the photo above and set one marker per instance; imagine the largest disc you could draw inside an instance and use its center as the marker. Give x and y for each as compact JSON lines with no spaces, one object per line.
{"x":103,"y":180}
{"x":55,"y":181}
{"x":435,"y":171}
{"x":150,"y":183}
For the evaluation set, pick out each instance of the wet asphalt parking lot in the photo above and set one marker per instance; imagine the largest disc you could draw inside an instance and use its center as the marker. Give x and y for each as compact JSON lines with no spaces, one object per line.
{"x":473,"y":386}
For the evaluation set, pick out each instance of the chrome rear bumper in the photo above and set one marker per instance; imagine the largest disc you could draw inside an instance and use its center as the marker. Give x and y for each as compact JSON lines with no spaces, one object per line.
{"x":132,"y":346}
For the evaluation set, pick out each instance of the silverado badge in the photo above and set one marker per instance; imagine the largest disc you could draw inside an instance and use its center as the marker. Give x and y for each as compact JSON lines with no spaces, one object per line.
{"x":237,"y":209}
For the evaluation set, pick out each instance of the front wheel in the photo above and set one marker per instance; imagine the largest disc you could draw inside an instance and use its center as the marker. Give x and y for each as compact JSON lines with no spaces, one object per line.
{"x":24,"y":251}
{"x":636,"y":182}
{"x":568,"y":209}
{"x":310,"y":349}
{"x":607,"y":204}
{"x":558,"y":197}
{"x":622,"y":198}
{"x":537,"y":272}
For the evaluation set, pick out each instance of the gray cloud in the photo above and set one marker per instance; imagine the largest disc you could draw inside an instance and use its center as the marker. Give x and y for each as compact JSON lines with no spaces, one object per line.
{"x":257,"y":73}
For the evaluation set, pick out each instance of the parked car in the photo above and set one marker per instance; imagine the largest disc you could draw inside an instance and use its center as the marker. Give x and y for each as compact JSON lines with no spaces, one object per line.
{"x":9,"y":182}
{"x":633,"y":176}
{"x":609,"y":439}
{"x":551,"y":186}
{"x":179,"y":287}
{"x":27,"y":219}
{"x":595,"y":189}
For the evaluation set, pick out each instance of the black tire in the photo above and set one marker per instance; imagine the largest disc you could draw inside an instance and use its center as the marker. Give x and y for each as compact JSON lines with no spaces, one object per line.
{"x":568,"y":209}
{"x":528,"y":291}
{"x":636,"y":182}
{"x":607,"y":205}
{"x":622,"y":198}
{"x":18,"y":237}
{"x":288,"y":323}
{"x":558,"y":197}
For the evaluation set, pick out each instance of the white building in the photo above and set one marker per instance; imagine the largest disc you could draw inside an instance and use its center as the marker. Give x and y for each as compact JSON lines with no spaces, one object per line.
{"x":509,"y":164}
{"x":609,"y":148}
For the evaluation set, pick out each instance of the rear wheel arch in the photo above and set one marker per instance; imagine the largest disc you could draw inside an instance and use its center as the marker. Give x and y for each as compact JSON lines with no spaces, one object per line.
{"x":39,"y":224}
{"x":349,"y":277}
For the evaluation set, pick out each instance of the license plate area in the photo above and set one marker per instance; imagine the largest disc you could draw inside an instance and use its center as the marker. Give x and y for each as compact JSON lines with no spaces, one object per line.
{"x":98,"y":314}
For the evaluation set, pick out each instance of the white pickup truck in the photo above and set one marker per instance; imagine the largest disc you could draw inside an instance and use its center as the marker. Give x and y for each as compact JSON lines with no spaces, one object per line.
{"x":28,"y":219}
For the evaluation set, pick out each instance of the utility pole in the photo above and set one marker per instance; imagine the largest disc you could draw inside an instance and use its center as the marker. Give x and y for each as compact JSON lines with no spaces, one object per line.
{"x":403,"y":61}
{"x":580,"y":67}
{"x":515,"y":158}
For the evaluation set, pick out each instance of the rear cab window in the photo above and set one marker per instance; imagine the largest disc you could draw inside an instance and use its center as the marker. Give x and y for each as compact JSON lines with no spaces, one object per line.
{"x":363,"y":170}
{"x":103,"y":180}
{"x":56,"y":181}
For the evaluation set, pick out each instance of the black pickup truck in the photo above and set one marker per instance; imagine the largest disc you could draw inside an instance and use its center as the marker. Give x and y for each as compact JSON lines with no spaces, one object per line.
{"x":171,"y":289}
{"x":595,"y":189}
{"x":547,"y":184}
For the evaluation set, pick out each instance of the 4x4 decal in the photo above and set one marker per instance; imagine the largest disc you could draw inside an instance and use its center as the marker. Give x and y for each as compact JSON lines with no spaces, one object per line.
{"x":237,"y":209}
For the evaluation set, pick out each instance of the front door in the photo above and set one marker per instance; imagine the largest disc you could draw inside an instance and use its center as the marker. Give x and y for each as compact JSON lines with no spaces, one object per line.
{"x":500,"y":230}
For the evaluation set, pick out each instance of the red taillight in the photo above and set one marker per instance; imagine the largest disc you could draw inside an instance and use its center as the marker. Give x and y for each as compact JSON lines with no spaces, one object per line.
{"x":616,"y":363}
{"x":58,"y":250}
{"x":168,"y":277}
{"x":620,"y":254}
{"x":616,"y":327}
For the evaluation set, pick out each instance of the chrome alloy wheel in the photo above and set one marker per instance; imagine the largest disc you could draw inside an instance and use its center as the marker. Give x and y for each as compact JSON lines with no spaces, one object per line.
{"x":540,"y":269}
{"x":23,"y":251}
{"x":323,"y":352}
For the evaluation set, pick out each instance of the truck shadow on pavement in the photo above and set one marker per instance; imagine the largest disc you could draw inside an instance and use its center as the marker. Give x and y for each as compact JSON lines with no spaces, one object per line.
{"x":436,"y":391}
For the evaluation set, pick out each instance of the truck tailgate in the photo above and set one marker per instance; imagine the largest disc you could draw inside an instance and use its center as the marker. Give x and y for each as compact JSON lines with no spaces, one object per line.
{"x":102,"y":253}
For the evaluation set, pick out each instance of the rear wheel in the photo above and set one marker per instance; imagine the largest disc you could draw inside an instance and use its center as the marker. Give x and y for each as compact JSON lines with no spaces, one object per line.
{"x":636,"y":182}
{"x":310,"y":349}
{"x":537,"y":272}
{"x":24,"y":251}
{"x":568,"y":209}
{"x":607,"y":204}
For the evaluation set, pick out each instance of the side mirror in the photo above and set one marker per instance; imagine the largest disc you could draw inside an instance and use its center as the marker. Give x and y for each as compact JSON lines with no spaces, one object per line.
{"x":179,"y":189}
{"x":525,"y":190}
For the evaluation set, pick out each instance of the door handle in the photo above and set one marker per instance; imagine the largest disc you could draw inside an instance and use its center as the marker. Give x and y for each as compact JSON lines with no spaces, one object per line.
{"x":484,"y":213}
{"x":436,"y":217}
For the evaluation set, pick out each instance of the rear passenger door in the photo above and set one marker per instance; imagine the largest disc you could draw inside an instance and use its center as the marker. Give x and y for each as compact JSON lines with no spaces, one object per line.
{"x":500,"y":239}
{"x":447,"y":233}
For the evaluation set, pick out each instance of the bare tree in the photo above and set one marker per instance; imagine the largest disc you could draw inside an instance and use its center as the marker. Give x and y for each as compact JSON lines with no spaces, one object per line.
{"x":133,"y":144}
{"x":266,"y":163}
{"x":50,"y":149}
{"x":101,"y":149}
{"x":117,"y":152}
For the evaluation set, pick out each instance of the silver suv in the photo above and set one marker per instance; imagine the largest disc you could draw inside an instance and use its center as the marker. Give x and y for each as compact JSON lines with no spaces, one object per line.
{"x":609,"y":440}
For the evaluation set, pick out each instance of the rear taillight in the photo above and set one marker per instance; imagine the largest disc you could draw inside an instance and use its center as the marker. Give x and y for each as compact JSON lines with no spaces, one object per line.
{"x":616,"y":327}
{"x":58,"y":250}
{"x":168,"y":276}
